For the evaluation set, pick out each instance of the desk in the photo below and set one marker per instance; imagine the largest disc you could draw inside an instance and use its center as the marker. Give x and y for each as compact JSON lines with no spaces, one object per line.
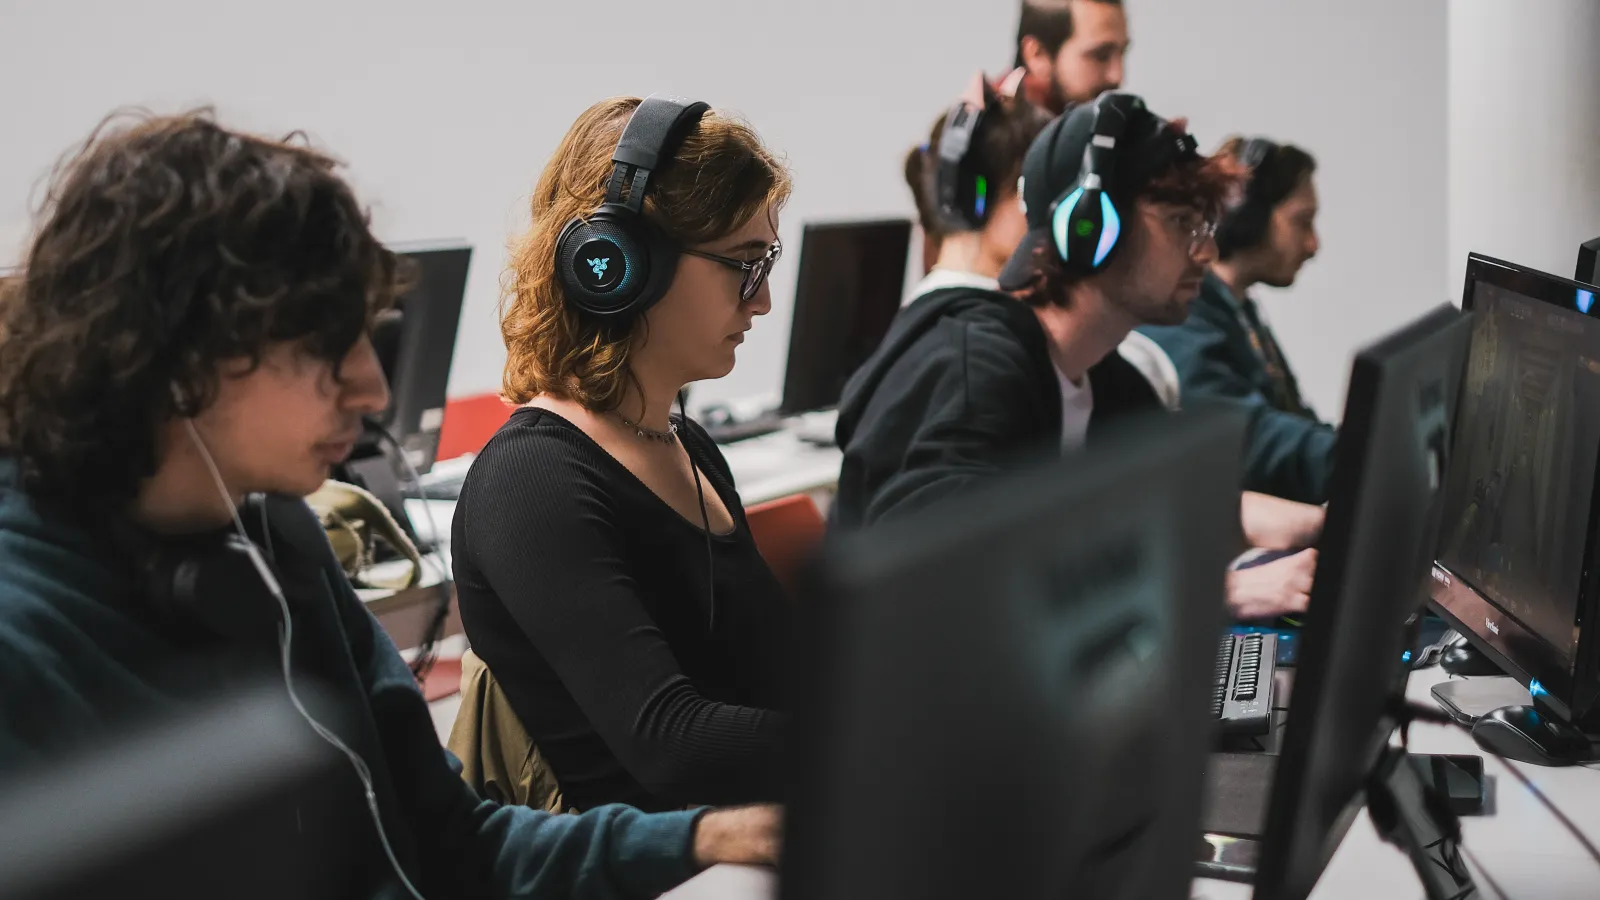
{"x":782,"y":463}
{"x":405,"y":613}
{"x":1524,"y":848}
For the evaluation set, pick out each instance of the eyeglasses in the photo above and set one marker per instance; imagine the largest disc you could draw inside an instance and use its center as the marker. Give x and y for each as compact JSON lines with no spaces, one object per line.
{"x":755,"y":271}
{"x":1191,"y":224}
{"x":1197,"y":227}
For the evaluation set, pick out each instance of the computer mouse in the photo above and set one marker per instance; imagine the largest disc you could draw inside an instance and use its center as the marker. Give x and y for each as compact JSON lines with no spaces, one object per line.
{"x":1464,"y":659}
{"x":1527,"y":735}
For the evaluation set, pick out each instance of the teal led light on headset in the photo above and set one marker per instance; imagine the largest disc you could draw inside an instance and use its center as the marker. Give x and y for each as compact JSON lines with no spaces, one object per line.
{"x":1110,"y":227}
{"x":980,"y":201}
{"x":1085,"y":224}
{"x":1585,"y":301}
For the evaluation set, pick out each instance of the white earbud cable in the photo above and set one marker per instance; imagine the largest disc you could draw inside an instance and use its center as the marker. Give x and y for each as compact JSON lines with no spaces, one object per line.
{"x":285,"y":641}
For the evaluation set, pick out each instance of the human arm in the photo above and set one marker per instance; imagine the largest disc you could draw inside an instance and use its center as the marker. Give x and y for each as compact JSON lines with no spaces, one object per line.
{"x":1286,"y":454}
{"x":1273,"y":523}
{"x":1278,"y":588}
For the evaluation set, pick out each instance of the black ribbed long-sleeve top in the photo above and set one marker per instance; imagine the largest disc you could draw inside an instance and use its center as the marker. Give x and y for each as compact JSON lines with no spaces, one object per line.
{"x":587,"y":597}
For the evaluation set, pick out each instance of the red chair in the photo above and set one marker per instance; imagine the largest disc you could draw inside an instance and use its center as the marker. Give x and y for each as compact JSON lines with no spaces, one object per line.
{"x":442,"y":680}
{"x":785,"y":531}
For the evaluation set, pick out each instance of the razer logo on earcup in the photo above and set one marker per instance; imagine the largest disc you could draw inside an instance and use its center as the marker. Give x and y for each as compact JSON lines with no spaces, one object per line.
{"x":1083,"y":227}
{"x":599,"y":267}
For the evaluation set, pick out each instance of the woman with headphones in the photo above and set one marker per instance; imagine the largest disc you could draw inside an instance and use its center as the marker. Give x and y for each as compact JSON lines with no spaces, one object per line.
{"x":605,"y":572}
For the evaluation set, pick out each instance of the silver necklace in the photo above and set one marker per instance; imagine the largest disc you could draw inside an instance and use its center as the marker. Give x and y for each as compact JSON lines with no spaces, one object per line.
{"x":663,"y":437}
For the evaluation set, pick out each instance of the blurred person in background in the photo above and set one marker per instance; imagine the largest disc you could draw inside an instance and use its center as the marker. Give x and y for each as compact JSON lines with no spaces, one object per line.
{"x":1227,"y":351}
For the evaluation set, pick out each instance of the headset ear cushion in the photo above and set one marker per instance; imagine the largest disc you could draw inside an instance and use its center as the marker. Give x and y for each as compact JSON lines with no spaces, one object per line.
{"x":603,"y":264}
{"x":1242,"y":227}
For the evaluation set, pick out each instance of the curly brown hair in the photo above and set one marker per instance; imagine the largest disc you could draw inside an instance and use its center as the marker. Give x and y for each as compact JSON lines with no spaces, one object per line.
{"x":165,"y":246}
{"x":720,"y":177}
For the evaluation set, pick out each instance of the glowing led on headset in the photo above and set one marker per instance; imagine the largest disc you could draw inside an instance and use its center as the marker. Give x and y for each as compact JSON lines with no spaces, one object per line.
{"x":1059,"y":221}
{"x":983,"y":195}
{"x":1536,"y":689}
{"x":1585,"y":300}
{"x":1111,"y":227}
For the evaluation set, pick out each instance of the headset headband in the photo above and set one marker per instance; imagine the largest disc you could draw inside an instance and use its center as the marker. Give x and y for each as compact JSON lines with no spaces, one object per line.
{"x":653,"y":132}
{"x":1255,"y":152}
{"x":956,"y":137}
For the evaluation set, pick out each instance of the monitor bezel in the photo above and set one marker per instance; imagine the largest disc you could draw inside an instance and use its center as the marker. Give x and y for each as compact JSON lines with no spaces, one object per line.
{"x":1468,"y":609}
{"x":792,"y":401}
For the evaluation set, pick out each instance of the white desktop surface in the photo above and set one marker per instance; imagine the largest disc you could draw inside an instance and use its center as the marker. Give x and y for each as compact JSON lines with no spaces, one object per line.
{"x":765,"y":468}
{"x":1525,"y":850}
{"x":779,"y":464}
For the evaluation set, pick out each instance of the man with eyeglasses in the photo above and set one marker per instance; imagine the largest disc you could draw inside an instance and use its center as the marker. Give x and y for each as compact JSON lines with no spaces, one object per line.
{"x":969,"y":380}
{"x":1227,"y":351}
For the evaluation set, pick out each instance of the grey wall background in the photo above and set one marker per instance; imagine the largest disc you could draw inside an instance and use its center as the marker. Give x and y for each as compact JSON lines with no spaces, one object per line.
{"x":446,"y":112}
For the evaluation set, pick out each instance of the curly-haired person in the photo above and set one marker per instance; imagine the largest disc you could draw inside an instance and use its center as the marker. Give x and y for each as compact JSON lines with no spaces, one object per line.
{"x":186,"y":354}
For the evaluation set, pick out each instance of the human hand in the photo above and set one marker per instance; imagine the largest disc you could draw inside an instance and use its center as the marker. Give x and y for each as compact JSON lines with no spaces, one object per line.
{"x":747,"y":835}
{"x":1278,"y":588}
{"x":1273,"y":523}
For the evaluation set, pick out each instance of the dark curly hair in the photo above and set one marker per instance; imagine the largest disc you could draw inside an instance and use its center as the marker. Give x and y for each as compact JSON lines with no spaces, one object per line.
{"x":164,"y":247}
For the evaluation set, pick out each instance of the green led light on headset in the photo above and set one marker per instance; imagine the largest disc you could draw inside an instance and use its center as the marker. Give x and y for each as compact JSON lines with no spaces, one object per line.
{"x":982,"y":192}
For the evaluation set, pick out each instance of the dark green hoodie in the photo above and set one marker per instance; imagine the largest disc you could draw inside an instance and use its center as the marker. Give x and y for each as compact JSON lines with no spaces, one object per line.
{"x":82,"y":651}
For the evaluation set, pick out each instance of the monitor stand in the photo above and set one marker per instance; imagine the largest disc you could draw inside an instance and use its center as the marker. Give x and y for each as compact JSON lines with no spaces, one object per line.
{"x":1467,"y":660}
{"x":1407,"y":812}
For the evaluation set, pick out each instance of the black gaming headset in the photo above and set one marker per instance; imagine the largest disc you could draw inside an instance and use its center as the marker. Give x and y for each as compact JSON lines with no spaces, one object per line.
{"x":1244,"y":223}
{"x":614,"y":263}
{"x":1084,"y":221}
{"x":962,"y":192}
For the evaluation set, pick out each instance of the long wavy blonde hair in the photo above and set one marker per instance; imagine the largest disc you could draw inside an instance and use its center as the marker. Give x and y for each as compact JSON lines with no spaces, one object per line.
{"x":721,"y":176}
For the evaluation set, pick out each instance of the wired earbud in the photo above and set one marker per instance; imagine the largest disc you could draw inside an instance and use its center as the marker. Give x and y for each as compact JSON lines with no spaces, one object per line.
{"x":240,"y":542}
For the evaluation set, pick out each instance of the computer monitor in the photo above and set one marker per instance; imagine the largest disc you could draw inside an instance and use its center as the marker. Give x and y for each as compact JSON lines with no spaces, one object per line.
{"x":851,"y":281}
{"x":1008,"y":695}
{"x":1372,"y":573}
{"x":1589,"y":262}
{"x":1515,"y":569}
{"x":416,"y":341}
{"x":234,"y":799}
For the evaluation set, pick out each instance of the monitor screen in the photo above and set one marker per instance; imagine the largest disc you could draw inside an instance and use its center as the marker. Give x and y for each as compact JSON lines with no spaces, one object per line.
{"x":415,"y":341}
{"x":1522,"y":475}
{"x":852,"y":277}
{"x":1038,"y":654}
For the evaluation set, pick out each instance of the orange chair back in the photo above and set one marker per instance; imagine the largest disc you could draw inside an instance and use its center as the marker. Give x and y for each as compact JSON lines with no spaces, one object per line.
{"x":785,"y":531}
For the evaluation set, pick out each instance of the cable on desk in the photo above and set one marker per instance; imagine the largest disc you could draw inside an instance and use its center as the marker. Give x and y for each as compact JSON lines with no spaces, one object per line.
{"x":1408,"y":712}
{"x":427,"y":649}
{"x":1499,"y":891}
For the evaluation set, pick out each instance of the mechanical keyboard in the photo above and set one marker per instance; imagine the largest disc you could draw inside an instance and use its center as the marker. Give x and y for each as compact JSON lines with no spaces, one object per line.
{"x":1241,"y":699}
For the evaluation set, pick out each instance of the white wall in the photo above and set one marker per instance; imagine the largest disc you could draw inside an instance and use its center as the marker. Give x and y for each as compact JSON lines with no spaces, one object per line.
{"x":1360,"y":84}
{"x":1524,"y":133}
{"x":446,"y":112}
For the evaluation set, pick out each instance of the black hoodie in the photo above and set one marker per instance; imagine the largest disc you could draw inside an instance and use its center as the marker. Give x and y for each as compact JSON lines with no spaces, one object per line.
{"x":961,"y":388}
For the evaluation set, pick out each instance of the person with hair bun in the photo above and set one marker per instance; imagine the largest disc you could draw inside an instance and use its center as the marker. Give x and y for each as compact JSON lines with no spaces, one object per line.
{"x":606,"y":574}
